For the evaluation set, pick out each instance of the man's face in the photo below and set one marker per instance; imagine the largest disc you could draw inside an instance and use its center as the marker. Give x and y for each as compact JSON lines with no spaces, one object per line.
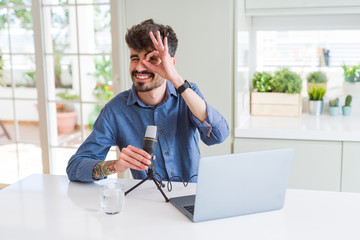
{"x":143,"y":79}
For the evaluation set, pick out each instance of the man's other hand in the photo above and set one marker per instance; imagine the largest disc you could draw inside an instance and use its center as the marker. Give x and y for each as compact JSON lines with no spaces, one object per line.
{"x":134,"y":158}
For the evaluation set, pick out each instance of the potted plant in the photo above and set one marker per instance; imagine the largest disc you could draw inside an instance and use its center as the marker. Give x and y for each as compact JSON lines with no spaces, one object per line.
{"x":103,"y":90}
{"x":317,"y":78}
{"x":277,"y":95}
{"x":286,"y":81}
{"x":351,"y":84}
{"x":334,"y":109}
{"x":66,"y":114}
{"x":346,"y":109}
{"x":262,"y":82}
{"x":316,"y":102}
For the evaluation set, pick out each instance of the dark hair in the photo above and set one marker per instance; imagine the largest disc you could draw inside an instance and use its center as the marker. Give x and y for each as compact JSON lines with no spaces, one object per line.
{"x":137,"y":37}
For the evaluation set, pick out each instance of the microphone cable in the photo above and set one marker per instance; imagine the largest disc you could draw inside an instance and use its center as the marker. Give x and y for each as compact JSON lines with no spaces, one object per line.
{"x":169,"y":183}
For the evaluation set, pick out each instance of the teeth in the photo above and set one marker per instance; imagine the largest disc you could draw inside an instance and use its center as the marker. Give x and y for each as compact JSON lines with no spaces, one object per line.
{"x":142,"y":77}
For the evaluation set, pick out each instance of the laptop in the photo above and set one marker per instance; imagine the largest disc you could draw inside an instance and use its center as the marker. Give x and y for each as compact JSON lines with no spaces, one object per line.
{"x":238,"y":184}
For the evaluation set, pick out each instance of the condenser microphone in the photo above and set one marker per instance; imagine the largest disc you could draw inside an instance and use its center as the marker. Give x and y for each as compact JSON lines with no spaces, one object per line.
{"x":149,"y":144}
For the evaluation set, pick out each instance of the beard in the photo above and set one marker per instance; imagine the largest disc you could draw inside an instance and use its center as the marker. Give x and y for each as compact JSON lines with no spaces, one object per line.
{"x":155,"y":82}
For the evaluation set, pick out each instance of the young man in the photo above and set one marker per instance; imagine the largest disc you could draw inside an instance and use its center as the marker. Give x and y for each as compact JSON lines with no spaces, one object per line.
{"x":159,"y":96}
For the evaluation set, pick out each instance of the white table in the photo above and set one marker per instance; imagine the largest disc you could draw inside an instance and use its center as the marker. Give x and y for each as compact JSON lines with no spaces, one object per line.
{"x":51,"y":207}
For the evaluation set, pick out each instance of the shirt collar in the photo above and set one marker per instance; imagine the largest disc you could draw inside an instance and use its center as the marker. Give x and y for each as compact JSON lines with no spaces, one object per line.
{"x":133,"y":98}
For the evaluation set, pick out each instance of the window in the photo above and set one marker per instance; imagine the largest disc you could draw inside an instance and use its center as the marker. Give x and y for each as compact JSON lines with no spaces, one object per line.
{"x":307,"y":51}
{"x":302,"y":43}
{"x":79,"y":74}
{"x":331,"y":48}
{"x":76,"y":81}
{"x":19,"y":131}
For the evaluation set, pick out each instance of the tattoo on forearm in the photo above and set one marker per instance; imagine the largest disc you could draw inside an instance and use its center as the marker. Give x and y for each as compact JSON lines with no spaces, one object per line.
{"x":103,"y":169}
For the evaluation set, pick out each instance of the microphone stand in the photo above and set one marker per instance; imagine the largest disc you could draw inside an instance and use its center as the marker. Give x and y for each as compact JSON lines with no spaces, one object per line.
{"x":150,"y":176}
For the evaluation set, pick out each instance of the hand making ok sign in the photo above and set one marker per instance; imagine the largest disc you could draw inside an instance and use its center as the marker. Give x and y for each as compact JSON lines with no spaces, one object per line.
{"x":159,"y":61}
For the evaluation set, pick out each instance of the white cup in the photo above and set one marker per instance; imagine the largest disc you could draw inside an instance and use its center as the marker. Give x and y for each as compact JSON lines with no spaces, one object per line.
{"x":112,"y":197}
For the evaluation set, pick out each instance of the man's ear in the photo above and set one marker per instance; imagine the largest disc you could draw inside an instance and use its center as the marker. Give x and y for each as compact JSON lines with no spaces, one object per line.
{"x":173,"y":60}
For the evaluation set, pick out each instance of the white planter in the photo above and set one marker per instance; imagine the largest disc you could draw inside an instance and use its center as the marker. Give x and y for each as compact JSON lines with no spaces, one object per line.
{"x":316,"y":107}
{"x":352,"y":89}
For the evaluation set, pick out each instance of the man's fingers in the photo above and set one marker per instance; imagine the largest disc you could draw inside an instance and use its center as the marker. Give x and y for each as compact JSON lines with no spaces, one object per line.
{"x":166,"y":49}
{"x":126,"y":164}
{"x":133,"y":163}
{"x":160,"y":43}
{"x":155,"y":42}
{"x":153,"y":54}
{"x":132,"y":157}
{"x":138,"y":151}
{"x":149,"y":66}
{"x":154,"y":58}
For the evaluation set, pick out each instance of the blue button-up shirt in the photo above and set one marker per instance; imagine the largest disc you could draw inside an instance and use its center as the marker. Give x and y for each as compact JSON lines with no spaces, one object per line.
{"x":123,"y":121}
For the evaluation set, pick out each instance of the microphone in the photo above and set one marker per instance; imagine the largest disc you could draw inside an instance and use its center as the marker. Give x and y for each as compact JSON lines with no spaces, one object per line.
{"x":149,"y":144}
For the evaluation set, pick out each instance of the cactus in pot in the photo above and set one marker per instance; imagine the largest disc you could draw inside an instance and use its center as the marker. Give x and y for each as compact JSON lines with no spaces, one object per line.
{"x":346,"y":109}
{"x":334,"y":109}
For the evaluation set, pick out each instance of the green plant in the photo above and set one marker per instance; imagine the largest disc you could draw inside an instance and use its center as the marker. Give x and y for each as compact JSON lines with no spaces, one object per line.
{"x":67,"y":95}
{"x":60,"y":107}
{"x":23,"y":16}
{"x":28,"y":80}
{"x":316,"y":77}
{"x":103,"y":72}
{"x":334,"y":102}
{"x":351,"y":73}
{"x":262,"y":81}
{"x":348,"y":100}
{"x":286,"y":81}
{"x":19,"y":16}
{"x":316,"y":93}
{"x":103,"y":89}
{"x":2,"y":83}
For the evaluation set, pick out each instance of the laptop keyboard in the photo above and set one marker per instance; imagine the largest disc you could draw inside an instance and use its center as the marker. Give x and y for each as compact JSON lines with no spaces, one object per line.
{"x":190,"y":209}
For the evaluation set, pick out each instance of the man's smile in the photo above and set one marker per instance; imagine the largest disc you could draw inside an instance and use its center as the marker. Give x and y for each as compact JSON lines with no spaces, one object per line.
{"x":142,"y":76}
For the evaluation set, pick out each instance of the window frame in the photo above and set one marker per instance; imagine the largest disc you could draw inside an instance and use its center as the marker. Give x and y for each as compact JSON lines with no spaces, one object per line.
{"x":120,"y":80}
{"x":274,"y":22}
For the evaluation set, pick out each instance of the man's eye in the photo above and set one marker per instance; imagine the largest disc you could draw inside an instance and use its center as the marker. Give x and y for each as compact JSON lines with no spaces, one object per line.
{"x":134,"y":59}
{"x":152,"y":59}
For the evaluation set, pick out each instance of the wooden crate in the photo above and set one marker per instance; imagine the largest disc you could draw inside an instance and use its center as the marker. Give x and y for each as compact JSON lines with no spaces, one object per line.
{"x":276,"y":104}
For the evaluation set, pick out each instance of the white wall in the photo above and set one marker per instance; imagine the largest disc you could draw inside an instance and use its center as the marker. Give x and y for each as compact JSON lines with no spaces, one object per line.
{"x":205,"y":52}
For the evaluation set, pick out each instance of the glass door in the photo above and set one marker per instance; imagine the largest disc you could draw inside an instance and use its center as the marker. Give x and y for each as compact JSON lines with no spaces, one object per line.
{"x":78,"y":63}
{"x":19,"y":129}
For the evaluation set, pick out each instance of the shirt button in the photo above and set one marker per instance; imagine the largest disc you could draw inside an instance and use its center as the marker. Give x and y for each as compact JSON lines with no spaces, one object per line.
{"x":166,"y":153}
{"x":172,"y":174}
{"x":161,"y":131}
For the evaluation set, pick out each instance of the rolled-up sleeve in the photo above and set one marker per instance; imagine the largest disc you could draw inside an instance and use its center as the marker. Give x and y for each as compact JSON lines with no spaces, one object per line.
{"x":80,"y":169}
{"x":214,"y":129}
{"x":93,"y":150}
